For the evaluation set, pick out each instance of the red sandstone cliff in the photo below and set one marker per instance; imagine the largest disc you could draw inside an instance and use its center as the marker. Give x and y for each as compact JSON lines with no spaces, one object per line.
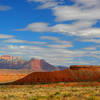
{"x":79,"y":74}
{"x":55,"y":76}
{"x":85,"y":67}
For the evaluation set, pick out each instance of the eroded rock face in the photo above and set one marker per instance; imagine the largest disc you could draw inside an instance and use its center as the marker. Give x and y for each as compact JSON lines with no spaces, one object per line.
{"x":55,"y":76}
{"x":76,"y":73}
{"x":85,"y":67}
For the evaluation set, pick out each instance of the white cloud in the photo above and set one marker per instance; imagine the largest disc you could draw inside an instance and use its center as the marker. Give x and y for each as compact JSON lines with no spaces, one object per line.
{"x":80,"y":28}
{"x":4,"y":8}
{"x":85,"y":14}
{"x":56,"y":56}
{"x":14,"y":41}
{"x":49,"y":38}
{"x":87,"y":3}
{"x":91,"y":40}
{"x":60,"y":46}
{"x":92,"y":32}
{"x":23,"y":41}
{"x":90,"y":48}
{"x":36,"y":27}
{"x":57,"y":42}
{"x":5,"y":36}
{"x":47,"y":3}
{"x":64,"y":13}
{"x":61,"y":28}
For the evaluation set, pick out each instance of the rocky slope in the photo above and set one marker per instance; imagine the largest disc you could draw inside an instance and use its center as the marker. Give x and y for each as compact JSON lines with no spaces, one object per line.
{"x":86,"y":73}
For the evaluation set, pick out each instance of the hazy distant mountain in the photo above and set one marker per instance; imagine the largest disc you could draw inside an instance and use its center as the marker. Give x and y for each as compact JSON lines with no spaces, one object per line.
{"x":34,"y":65}
{"x":38,"y":65}
{"x":62,"y":67}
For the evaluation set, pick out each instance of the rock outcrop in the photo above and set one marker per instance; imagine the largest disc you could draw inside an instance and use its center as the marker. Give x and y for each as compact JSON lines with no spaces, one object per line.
{"x":55,"y":76}
{"x":85,"y":67}
{"x":78,"y":74}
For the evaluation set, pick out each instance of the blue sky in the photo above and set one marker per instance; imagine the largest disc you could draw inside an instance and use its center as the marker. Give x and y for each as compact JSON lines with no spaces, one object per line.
{"x":63,"y":32}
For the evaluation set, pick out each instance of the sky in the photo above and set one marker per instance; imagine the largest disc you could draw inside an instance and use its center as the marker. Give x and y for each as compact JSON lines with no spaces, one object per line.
{"x":62,"y":32}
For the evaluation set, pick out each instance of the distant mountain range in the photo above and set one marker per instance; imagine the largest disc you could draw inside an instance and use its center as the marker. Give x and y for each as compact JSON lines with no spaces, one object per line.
{"x":34,"y":65}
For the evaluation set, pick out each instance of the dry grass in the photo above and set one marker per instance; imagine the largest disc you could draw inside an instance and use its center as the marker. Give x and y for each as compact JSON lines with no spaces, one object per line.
{"x":56,"y":92}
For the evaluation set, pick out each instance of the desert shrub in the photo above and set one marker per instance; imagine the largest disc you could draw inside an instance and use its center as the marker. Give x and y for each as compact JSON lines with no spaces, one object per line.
{"x":74,"y":90}
{"x":67,"y":95}
{"x":57,"y":93}
{"x":50,"y":96}
{"x":4,"y":97}
{"x":92,"y":98}
{"x":32,"y":98}
{"x":79,"y":95}
{"x":11,"y":96}
{"x":37,"y":98}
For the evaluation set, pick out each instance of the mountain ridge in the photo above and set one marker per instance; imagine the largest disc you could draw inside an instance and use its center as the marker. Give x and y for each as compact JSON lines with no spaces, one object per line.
{"x":33,"y":64}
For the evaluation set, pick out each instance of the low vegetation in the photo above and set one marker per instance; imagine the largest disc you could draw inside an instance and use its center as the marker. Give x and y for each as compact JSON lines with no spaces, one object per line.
{"x":57,"y":91}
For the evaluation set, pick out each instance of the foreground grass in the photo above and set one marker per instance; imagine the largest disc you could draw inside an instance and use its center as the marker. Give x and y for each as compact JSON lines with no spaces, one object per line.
{"x":46,"y":92}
